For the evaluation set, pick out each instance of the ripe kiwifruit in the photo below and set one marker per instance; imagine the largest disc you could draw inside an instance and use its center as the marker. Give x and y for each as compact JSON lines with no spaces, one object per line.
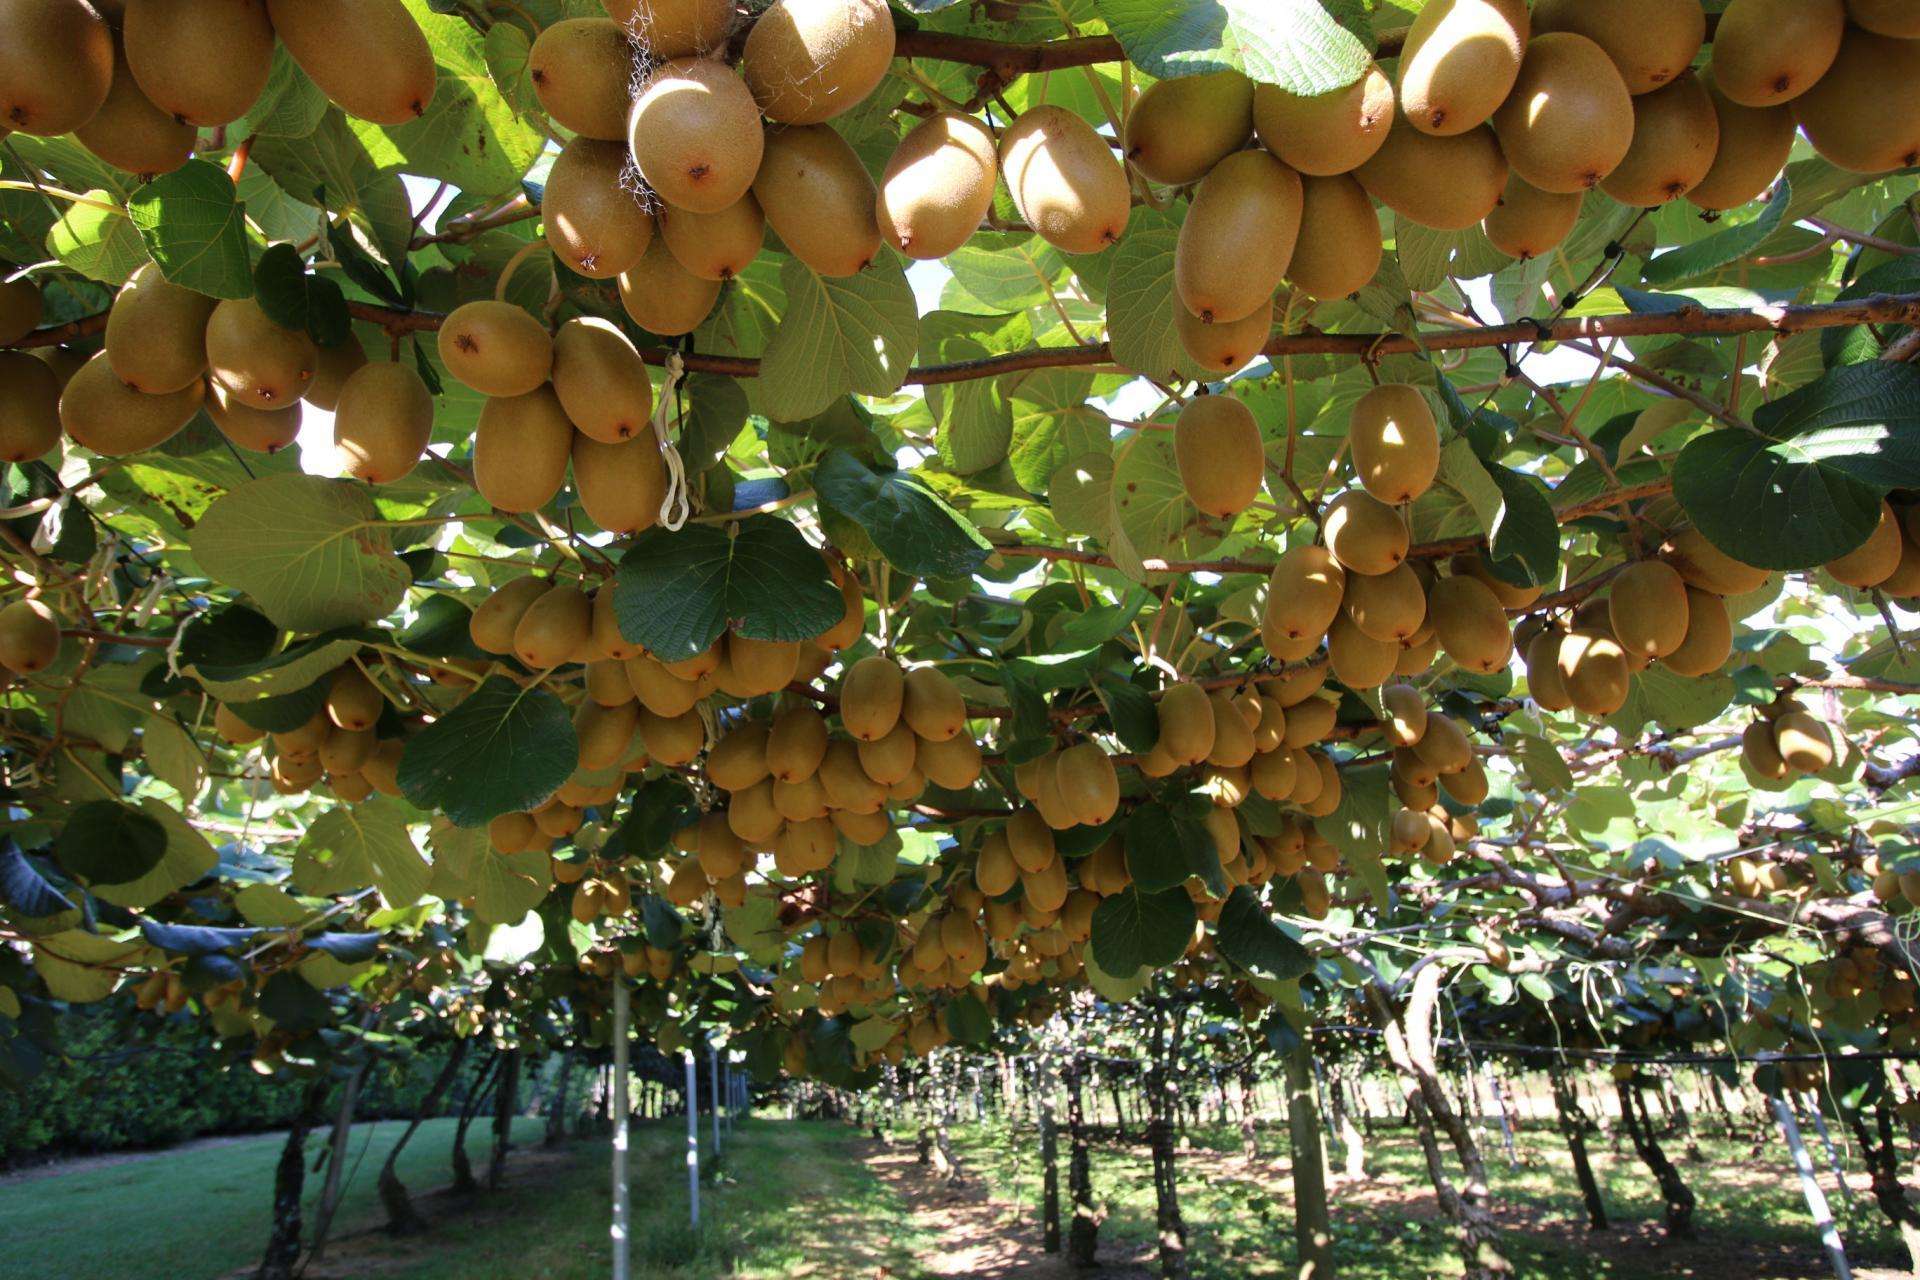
{"x":1675,"y":134}
{"x":580,"y":68}
{"x":1329,"y":133}
{"x":673,"y":28}
{"x":888,"y":759}
{"x":1459,"y":62}
{"x":496,"y":348}
{"x":739,"y":758}
{"x":658,"y":689}
{"x":56,"y":65}
{"x":129,"y":132}
{"x":1569,"y":122}
{"x":109,"y":417}
{"x":716,"y":246}
{"x":232,"y":728}
{"x":29,"y":637}
{"x":1065,"y":180}
{"x":1470,"y":623}
{"x":1237,"y":237}
{"x":1542,"y":653}
{"x":29,"y":407}
{"x":337,"y":364}
{"x":810,"y":60}
{"x":673,"y":740}
{"x":1364,"y":534}
{"x":1895,"y":18}
{"x":847,"y":784}
{"x":1358,"y":660}
{"x":954,"y":764}
{"x":346,"y":750}
{"x":1804,"y":742}
{"x":1650,"y":41}
{"x":1216,"y":444}
{"x":1447,"y":183}
{"x":594,"y":221}
{"x":257,"y":430}
{"x":1232,"y":735}
{"x":520,"y":449}
{"x":818,"y":198}
{"x":1760,"y":754}
{"x":938,"y":185}
{"x":1864,"y":114}
{"x":1406,"y":720}
{"x":1873,"y":561}
{"x":1528,"y":221}
{"x":263,"y":364}
{"x":1754,"y":145}
{"x":663,"y":297}
{"x":1766,"y":52}
{"x":368,"y":56}
{"x":157,"y":332}
{"x":1389,"y":606}
{"x":1339,"y":249}
{"x":1705,"y":566}
{"x":1179,"y":129}
{"x":203,"y":62}
{"x":622,"y":484}
{"x":1709,"y":639}
{"x":600,"y":380}
{"x":931,"y":704}
{"x":995,"y":872}
{"x":1304,"y":594}
{"x":1186,"y":720}
{"x":556,"y":627}
{"x":871,"y":694}
{"x":1647,"y":607}
{"x":491,"y":624}
{"x":1224,"y":348}
{"x":695,"y":134}
{"x":1593,"y":671}
{"x":20,"y":308}
{"x":383,"y":421}
{"x":605,"y":733}
{"x":1395,"y":442}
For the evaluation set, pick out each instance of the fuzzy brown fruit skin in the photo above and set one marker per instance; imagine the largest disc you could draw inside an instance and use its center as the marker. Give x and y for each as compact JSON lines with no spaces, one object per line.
{"x":807,"y":61}
{"x":1237,"y":238}
{"x":1676,"y":132}
{"x":1709,"y":640}
{"x":1470,"y":624}
{"x":1365,"y":534}
{"x":716,"y":246}
{"x":256,"y":430}
{"x":1530,"y":222}
{"x":383,"y":422}
{"x":555,"y":627}
{"x":601,"y":381}
{"x":1179,"y":129}
{"x":1651,"y":41}
{"x":1647,"y":607}
{"x":871,"y":694}
{"x":496,"y":348}
{"x":1594,"y":672}
{"x":1065,"y":180}
{"x":203,"y":62}
{"x":580,"y":69}
{"x":1327,"y":134}
{"x":695,"y":134}
{"x":337,"y":364}
{"x":491,"y":625}
{"x":1389,"y":606}
{"x":368,"y":56}
{"x":1873,"y":561}
{"x":663,"y":297}
{"x":819,"y":199}
{"x":1864,"y":114}
{"x":520,"y":449}
{"x":129,"y":132}
{"x":29,"y":637}
{"x":621,"y":485}
{"x":592,"y":221}
{"x":1570,"y":120}
{"x":29,"y":407}
{"x":264,"y":365}
{"x":1304,"y":593}
{"x":1447,"y":183}
{"x":1459,"y":62}
{"x":1216,"y":445}
{"x":107,"y":416}
{"x":1186,"y":720}
{"x":56,"y":65}
{"x":1754,"y":145}
{"x":20,"y":308}
{"x":1223,"y":348}
{"x":1766,"y":52}
{"x":673,"y":28}
{"x":1705,"y":566}
{"x":1395,"y":443}
{"x":1896,"y":18}
{"x":1339,"y":249}
{"x":938,"y":185}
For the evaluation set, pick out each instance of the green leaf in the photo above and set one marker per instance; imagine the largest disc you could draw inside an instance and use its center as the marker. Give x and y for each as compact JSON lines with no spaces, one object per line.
{"x":1358,"y":825}
{"x":312,"y":552}
{"x":106,"y":842}
{"x":1131,"y":712}
{"x":1155,"y":839}
{"x":100,"y":244}
{"x":175,"y":758}
{"x":188,"y":858}
{"x":330,"y":167}
{"x":81,"y":967}
{"x":1524,"y":541}
{"x":917,"y":532}
{"x":504,"y":749}
{"x":296,"y":300}
{"x":1140,"y":300}
{"x":973,"y":420}
{"x":194,"y":226}
{"x":1295,"y":44}
{"x":1132,"y":929}
{"x":353,"y":845}
{"x":1247,"y":935}
{"x":969,"y":1020}
{"x":1709,"y":253}
{"x":677,"y":591}
{"x":856,"y":334}
{"x":289,"y":107}
{"x":1053,"y":424}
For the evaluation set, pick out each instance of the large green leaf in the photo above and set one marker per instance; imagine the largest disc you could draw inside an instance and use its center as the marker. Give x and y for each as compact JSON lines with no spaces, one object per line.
{"x":917,"y":532}
{"x":1524,"y":540}
{"x":101,"y":244}
{"x":1247,"y":935}
{"x":312,"y":552}
{"x":1712,"y":252}
{"x":503,"y":749}
{"x":188,"y":857}
{"x":331,"y":168}
{"x":1140,"y":300}
{"x":288,"y":671}
{"x":351,"y":846}
{"x":678,"y":590}
{"x":856,"y":334}
{"x":1295,"y":44}
{"x":106,"y":842}
{"x":1132,"y":929}
{"x":195,"y":228}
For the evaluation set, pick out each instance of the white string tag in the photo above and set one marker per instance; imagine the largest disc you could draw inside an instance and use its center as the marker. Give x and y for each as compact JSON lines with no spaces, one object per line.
{"x":677,"y":505}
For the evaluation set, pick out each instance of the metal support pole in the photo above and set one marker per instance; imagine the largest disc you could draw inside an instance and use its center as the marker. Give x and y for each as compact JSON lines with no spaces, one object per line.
{"x":1816,"y":1199}
{"x":618,"y":1106}
{"x":693,"y":1141}
{"x":713,"y":1090}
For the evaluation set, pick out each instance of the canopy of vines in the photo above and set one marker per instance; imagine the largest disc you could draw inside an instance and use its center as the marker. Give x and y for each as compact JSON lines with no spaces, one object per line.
{"x":878,"y":524}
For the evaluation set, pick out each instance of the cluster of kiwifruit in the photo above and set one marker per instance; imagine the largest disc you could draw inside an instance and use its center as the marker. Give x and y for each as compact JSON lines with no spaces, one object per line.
{"x":1786,"y":741}
{"x":338,"y":743}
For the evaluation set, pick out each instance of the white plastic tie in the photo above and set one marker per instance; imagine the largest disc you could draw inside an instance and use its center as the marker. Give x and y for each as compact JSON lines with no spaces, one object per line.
{"x":677,"y":506}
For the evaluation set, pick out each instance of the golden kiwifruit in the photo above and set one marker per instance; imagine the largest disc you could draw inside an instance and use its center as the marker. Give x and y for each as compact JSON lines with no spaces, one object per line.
{"x":492,"y":623}
{"x":520,"y":449}
{"x":600,"y":380}
{"x":931,"y":704}
{"x":256,"y":430}
{"x":658,"y":689}
{"x":1407,"y":831}
{"x":938,"y":185}
{"x":673,"y":28}
{"x":1544,"y":685}
{"x":29,"y":407}
{"x":1237,"y":238}
{"x":1413,"y":771}
{"x":761,"y":666}
{"x":1864,"y":114}
{"x":1328,"y":133}
{"x":607,"y":682}
{"x":382,"y":422}
{"x":1675,"y":135}
{"x":1766,"y":52}
{"x":1569,"y":122}
{"x":1394,"y":442}
{"x":129,"y":132}
{"x":29,"y":637}
{"x":368,"y":56}
{"x":336,"y":365}
{"x":1328,"y":797}
{"x":607,"y":637}
{"x":847,"y":631}
{"x":1310,"y":719}
{"x":1406,"y":718}
{"x":1274,"y":772}
{"x":739,"y":759}
{"x":1804,"y":742}
{"x":953,"y":763}
{"x":1754,"y":145}
{"x":345,"y":750}
{"x":751,"y":815}
{"x":796,"y":744}
{"x":1390,"y":606}
{"x":292,"y":776}
{"x":203,"y":62}
{"x":1470,"y":623}
{"x":1760,"y":754}
{"x":663,"y":297}
{"x":1895,"y":18}
{"x":1705,"y":566}
{"x":20,"y":308}
{"x":1223,"y":348}
{"x":871,"y":694}
{"x":1444,"y":746}
{"x":845,"y":780}
{"x":1304,"y":593}
{"x":1030,"y":841}
{"x":1364,"y":534}
{"x":1528,"y":221}
{"x":109,"y":417}
{"x":157,"y":332}
{"x":263,"y":364}
{"x":1232,"y":736}
{"x":810,"y":60}
{"x":605,"y":733}
{"x":512,"y":832}
{"x":304,"y":739}
{"x":1709,"y":639}
{"x":593,"y":220}
{"x":494,"y":347}
{"x":555,"y":629}
{"x":1216,"y":445}
{"x":995,"y":871}
{"x":696,"y":135}
{"x":56,"y":65}
{"x":861,"y":828}
{"x":580,"y":69}
{"x":1459,"y":61}
{"x":673,"y":740}
{"x":818,"y":198}
{"x":1469,"y":785}
{"x":889,"y":758}
{"x":232,"y":728}
{"x":699,"y":664}
{"x":1186,"y":728}
{"x":715,"y":246}
{"x":1338,"y":250}
{"x":1065,"y":180}
{"x":65,"y":361}
{"x":1417,"y":654}
{"x":1651,"y":41}
{"x":1647,"y":609}
{"x":1448,"y":183}
{"x":1593,"y":671}
{"x":1358,"y":660}
{"x":1179,"y":129}
{"x":1873,"y":561}
{"x":620,"y":485}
